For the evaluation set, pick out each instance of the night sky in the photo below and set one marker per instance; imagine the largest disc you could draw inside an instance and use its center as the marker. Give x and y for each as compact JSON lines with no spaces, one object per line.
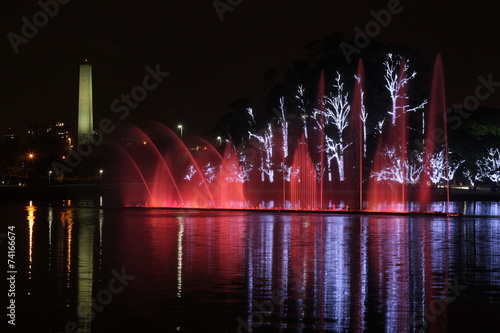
{"x":213,"y":62}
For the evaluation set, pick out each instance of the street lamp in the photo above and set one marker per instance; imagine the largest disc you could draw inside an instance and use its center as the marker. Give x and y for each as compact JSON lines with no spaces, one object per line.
{"x":220,"y":140}
{"x":180,"y":127}
{"x":100,"y":175}
{"x":50,"y":174}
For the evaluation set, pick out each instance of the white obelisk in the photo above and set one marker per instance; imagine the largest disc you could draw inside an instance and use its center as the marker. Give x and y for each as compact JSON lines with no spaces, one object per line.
{"x":85,"y":117}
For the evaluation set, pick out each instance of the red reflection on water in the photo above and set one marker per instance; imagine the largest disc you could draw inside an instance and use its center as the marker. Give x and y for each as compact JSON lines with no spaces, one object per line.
{"x":321,"y":272}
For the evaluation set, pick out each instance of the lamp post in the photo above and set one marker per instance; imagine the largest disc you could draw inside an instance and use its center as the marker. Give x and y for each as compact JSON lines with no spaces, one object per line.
{"x":180,"y":127}
{"x":220,"y":140}
{"x":50,"y":175}
{"x":100,"y":175}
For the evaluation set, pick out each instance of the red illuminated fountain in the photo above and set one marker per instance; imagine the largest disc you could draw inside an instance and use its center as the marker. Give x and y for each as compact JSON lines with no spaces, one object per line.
{"x":303,"y":181}
{"x":387,"y":189}
{"x":317,"y":162}
{"x":436,"y":138}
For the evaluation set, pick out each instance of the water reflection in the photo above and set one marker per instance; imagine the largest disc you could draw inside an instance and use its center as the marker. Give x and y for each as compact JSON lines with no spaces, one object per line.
{"x":85,"y":272}
{"x":246,"y":271}
{"x":67,"y":229}
{"x":31,"y":224}
{"x":180,"y":235}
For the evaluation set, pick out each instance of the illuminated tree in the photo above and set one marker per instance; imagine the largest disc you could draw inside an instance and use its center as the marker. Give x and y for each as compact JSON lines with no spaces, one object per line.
{"x":398,"y":170}
{"x":363,"y":116}
{"x":397,"y":76}
{"x":470,"y":176}
{"x":266,"y":153}
{"x":302,"y":105}
{"x":336,"y":112}
{"x":284,"y":127}
{"x":441,"y":168}
{"x":246,"y":165}
{"x":489,"y":165}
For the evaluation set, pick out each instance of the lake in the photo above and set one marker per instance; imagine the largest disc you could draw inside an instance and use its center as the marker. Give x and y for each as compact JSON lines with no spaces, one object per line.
{"x":94,"y":269}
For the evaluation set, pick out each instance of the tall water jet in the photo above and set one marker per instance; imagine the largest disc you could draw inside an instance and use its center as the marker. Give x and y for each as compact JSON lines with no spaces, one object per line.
{"x":222,"y":173}
{"x":327,"y":166}
{"x":436,"y":135}
{"x":401,"y":131}
{"x":189,"y":176}
{"x":303,"y":183}
{"x":156,"y":173}
{"x":230,"y":180}
{"x":321,"y":112}
{"x":390,"y":169}
{"x":358,"y":132}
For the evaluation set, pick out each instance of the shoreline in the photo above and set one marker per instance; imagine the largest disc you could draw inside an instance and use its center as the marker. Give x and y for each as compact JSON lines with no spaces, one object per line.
{"x":82,"y":190}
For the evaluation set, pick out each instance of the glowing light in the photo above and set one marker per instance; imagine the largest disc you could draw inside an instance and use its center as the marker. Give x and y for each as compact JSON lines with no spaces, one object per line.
{"x":180,"y":128}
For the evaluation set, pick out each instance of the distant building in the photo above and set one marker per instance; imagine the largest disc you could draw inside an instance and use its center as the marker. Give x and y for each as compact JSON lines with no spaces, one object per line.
{"x":10,"y":136}
{"x":58,"y":129}
{"x":33,"y":132}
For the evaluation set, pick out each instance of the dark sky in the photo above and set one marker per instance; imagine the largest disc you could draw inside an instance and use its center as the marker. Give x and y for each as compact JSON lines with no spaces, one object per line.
{"x":211,"y":63}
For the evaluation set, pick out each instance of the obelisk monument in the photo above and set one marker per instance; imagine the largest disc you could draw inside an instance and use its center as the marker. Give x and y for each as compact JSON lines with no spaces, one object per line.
{"x":85,"y":111}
